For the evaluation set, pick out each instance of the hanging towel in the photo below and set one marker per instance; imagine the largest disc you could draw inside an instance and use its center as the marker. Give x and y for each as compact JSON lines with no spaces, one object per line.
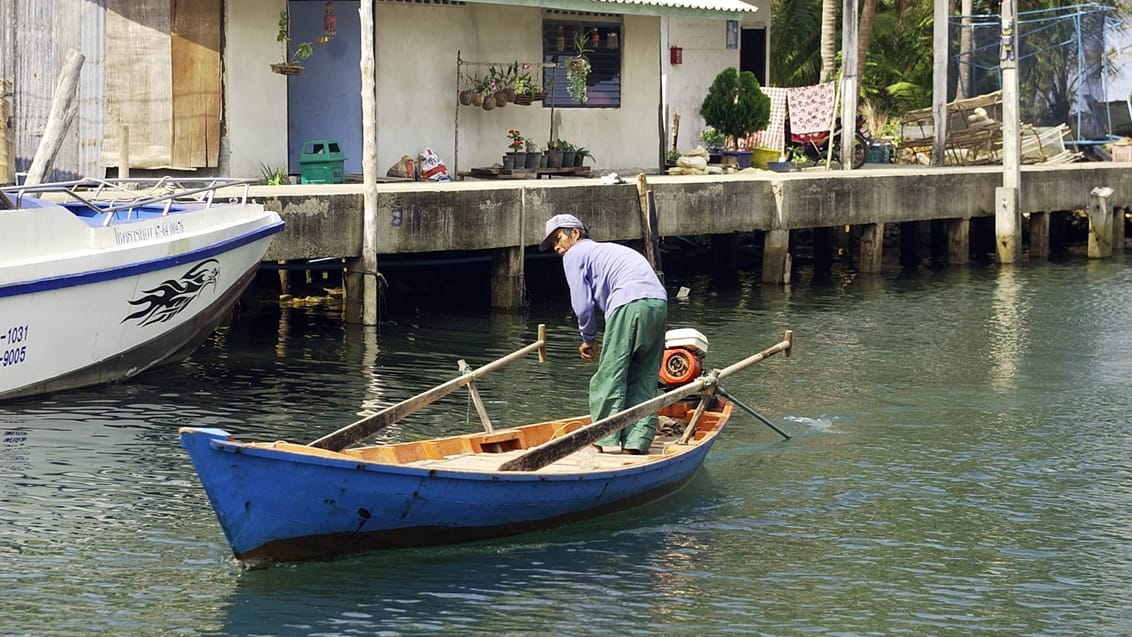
{"x":811,"y":108}
{"x":774,"y":136}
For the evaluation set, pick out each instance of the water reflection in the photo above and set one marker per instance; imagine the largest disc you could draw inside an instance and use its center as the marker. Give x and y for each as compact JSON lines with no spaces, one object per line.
{"x":958,"y":465}
{"x":1008,"y":331}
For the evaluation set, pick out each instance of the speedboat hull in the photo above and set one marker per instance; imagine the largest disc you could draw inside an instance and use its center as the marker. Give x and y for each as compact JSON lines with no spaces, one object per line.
{"x":88,"y":297}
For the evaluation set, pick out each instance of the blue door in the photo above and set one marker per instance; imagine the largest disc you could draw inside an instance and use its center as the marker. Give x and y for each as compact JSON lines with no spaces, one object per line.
{"x":324,"y":101}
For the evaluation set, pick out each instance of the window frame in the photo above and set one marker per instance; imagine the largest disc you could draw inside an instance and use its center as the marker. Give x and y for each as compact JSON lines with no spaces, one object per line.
{"x":558,"y":29}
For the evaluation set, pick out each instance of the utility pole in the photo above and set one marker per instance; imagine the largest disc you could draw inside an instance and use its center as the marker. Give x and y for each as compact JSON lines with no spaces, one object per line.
{"x":1007,"y":217}
{"x":939,"y":81}
{"x":848,"y":82}
{"x":362,"y":272}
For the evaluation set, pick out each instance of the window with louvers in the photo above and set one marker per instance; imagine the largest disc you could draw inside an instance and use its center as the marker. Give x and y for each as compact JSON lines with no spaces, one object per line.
{"x":603,"y":86}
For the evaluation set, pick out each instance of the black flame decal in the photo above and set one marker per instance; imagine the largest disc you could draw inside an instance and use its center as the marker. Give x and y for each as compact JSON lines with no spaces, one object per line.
{"x":168,"y":299}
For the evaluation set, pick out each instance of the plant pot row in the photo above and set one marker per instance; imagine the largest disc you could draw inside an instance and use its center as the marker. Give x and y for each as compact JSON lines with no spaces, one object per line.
{"x":498,"y":99}
{"x":545,"y":159}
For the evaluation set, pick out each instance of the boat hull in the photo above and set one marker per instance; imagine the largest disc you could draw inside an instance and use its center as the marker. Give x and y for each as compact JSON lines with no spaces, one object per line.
{"x":298,"y":503}
{"x":83,"y":303}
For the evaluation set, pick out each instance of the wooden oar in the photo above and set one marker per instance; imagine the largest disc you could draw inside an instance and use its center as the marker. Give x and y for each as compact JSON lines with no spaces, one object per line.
{"x":365,"y":427}
{"x":538,"y":457}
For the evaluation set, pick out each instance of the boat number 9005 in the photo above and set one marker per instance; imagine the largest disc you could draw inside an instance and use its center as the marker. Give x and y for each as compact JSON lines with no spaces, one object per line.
{"x":13,"y":355}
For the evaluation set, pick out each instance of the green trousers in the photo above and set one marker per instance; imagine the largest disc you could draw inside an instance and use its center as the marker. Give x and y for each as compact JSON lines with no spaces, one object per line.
{"x":628,"y":369}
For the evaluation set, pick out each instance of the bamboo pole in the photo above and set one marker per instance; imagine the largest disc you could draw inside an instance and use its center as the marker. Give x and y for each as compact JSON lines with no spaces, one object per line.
{"x":368,"y":259}
{"x":63,"y":111}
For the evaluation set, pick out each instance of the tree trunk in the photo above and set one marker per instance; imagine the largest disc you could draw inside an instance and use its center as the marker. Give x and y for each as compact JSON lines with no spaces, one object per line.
{"x":868,"y":10}
{"x":964,"y":89}
{"x":828,"y":44}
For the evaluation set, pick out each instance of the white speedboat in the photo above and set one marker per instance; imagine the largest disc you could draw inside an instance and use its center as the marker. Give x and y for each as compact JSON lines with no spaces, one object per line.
{"x":101,"y":280}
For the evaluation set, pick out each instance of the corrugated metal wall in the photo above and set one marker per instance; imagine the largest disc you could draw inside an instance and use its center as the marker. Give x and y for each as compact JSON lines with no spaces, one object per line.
{"x":34,"y":41}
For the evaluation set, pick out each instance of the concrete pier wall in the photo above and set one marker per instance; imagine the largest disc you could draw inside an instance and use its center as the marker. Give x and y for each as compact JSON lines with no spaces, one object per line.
{"x":417,"y":217}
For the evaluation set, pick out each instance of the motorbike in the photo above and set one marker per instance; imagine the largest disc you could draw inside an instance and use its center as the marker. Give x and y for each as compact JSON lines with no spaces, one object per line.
{"x":815,"y":146}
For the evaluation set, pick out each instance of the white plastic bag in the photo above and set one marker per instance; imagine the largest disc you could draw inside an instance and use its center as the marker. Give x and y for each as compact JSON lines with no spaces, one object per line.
{"x":431,"y":168}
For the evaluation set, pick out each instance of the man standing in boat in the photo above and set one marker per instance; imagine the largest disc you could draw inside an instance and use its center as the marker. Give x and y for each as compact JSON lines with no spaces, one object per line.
{"x":618,"y":281}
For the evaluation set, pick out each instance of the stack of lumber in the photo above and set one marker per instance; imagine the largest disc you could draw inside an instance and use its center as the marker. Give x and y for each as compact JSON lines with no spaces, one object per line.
{"x":974,"y":135}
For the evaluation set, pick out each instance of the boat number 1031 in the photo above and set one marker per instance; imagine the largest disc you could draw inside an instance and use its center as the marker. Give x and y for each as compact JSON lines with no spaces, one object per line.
{"x":11,"y":341}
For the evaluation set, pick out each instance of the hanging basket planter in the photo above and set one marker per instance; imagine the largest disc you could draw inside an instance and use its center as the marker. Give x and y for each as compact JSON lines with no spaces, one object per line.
{"x":577,"y":71}
{"x":287,"y":68}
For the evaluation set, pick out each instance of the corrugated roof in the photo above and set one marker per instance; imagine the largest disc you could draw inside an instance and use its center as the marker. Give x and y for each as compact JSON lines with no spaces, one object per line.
{"x":722,"y":9}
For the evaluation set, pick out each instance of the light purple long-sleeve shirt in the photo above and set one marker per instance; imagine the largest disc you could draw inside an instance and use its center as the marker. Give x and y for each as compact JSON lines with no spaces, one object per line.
{"x":605,"y":276}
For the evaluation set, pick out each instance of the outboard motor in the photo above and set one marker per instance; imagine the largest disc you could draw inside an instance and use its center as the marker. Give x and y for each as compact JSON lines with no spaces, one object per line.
{"x":683,"y":359}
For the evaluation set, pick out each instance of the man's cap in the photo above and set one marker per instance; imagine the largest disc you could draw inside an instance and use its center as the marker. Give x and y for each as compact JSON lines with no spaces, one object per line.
{"x":558,"y":222}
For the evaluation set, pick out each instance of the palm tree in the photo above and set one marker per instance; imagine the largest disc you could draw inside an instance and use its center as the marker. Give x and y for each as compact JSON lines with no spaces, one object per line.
{"x":828,"y":42}
{"x":795,"y":59}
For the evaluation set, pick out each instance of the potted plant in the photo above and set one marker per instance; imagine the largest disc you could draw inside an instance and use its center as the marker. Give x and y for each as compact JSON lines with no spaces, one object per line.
{"x":798,"y":157}
{"x":580,"y":155}
{"x":488,"y":92}
{"x":553,"y":154}
{"x":578,"y":67}
{"x":516,"y":157}
{"x":736,"y":106}
{"x":303,"y":50}
{"x":714,"y":141}
{"x":533,"y":155}
{"x":568,"y":152}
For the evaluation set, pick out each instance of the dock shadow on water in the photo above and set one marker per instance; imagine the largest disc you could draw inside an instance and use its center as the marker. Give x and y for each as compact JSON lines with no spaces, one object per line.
{"x":957,"y":466}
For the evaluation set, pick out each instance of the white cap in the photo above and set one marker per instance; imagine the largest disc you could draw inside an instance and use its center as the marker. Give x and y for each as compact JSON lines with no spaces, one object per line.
{"x":557,"y":222}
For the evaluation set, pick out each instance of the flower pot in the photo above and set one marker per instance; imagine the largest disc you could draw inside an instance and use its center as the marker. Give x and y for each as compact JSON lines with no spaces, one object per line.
{"x":568,"y":158}
{"x":780,"y":166}
{"x":533,"y":160}
{"x":500,"y":99}
{"x":477,"y":99}
{"x":465,"y":98}
{"x":488,"y":103}
{"x":763,"y":156}
{"x":742,"y":157}
{"x":509,"y":161}
{"x":553,"y":159}
{"x":579,"y":160}
{"x":287,"y":68}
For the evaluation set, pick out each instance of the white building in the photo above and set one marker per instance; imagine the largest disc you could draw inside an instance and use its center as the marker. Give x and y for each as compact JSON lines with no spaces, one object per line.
{"x":189,"y":83}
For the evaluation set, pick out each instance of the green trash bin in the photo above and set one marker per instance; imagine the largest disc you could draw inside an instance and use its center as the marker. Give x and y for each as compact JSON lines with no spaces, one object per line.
{"x":322,"y":162}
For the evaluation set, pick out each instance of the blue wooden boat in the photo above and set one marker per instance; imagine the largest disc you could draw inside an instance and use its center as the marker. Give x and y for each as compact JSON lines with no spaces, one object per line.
{"x":284,"y":501}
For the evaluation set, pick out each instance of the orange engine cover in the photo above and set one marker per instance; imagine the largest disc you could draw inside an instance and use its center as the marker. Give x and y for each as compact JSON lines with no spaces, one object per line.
{"x":679,"y":366}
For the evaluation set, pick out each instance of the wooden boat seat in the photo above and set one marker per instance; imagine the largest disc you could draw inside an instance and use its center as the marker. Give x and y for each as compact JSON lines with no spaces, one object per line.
{"x":489,"y":463}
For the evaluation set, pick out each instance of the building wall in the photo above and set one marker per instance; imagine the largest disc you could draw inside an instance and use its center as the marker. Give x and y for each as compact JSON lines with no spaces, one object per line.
{"x":417,"y":88}
{"x":255,"y":99}
{"x":705,"y":54}
{"x":37,"y":37}
{"x":417,"y":102}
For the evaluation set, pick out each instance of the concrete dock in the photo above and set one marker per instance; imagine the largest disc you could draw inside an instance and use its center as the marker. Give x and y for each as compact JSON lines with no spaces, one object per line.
{"x":506,"y":217}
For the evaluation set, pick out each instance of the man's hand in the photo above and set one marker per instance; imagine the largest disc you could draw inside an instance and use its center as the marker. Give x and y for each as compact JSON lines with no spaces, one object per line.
{"x":589,"y":351}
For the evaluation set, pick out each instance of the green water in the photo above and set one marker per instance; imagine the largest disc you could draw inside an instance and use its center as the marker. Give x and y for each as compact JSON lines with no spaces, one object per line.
{"x":959,"y":465}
